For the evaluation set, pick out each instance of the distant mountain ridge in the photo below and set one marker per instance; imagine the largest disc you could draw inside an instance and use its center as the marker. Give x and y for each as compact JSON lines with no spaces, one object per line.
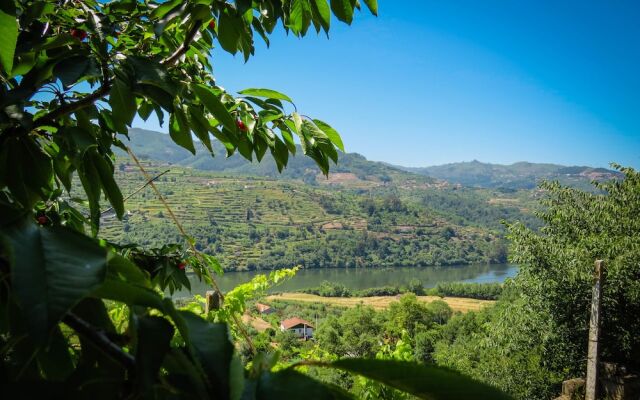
{"x":159,"y":147}
{"x":520,"y":175}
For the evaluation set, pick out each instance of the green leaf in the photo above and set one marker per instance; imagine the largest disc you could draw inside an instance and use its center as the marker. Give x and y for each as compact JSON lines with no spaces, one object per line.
{"x":148,"y":72}
{"x":297,"y":122}
{"x":288,"y":139}
{"x":125,"y":292}
{"x":123,"y":104}
{"x":298,"y":16}
{"x":200,"y":126}
{"x":52,"y":269}
{"x":321,"y":9}
{"x":9,"y":35}
{"x":25,"y":169}
{"x":211,"y":101}
{"x":272,"y":94}
{"x":159,"y":96}
{"x":120,"y":268}
{"x":229,"y":31}
{"x":211,"y":346}
{"x":343,"y":10}
{"x":164,"y":8}
{"x":55,"y":359}
{"x":331,"y":133}
{"x":372,"y":5}
{"x":90,"y":180}
{"x":109,"y":185}
{"x":145,"y":109}
{"x":72,"y":69}
{"x":423,"y":381}
{"x":153,"y":342}
{"x":93,"y":363}
{"x":290,"y":384}
{"x":179,"y":130}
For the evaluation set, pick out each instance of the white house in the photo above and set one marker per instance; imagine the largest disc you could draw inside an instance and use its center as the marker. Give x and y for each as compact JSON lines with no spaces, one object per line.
{"x":298,"y":326}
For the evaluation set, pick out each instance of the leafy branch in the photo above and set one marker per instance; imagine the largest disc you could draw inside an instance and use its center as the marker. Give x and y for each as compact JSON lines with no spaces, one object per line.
{"x":100,"y":339}
{"x":182,"y":49}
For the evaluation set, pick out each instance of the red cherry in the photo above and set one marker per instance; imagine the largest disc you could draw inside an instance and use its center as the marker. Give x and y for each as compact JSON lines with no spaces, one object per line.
{"x":182,"y":266}
{"x":241,"y":126}
{"x":116,"y":33}
{"x":79,"y":34}
{"x":42,"y":220}
{"x":212,"y":24}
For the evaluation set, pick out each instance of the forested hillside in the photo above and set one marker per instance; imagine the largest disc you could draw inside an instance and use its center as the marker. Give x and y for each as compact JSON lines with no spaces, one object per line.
{"x":263,"y":223}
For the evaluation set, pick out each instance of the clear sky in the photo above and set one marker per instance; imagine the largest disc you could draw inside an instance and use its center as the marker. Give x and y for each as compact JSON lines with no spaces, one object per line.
{"x":432,"y":82}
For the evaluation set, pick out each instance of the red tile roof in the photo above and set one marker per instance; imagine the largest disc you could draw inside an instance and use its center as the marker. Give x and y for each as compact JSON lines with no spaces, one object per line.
{"x":291,"y":322}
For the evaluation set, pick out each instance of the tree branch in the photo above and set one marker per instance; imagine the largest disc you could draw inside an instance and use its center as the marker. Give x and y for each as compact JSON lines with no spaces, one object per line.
{"x":100,"y":339}
{"x":184,"y":46}
{"x":50,"y":118}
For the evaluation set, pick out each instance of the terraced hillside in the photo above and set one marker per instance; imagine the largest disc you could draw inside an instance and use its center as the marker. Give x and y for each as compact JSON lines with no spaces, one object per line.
{"x":264,"y":223}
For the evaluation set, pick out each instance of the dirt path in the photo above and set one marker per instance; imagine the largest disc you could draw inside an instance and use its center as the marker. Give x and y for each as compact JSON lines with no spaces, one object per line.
{"x":382,"y":302}
{"x":256,"y":322}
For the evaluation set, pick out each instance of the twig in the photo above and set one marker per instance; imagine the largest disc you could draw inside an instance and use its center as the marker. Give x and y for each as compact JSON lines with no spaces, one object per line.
{"x":100,"y":339}
{"x":136,"y":191}
{"x":68,"y":108}
{"x":184,"y":46}
{"x":195,"y":251}
{"x":310,"y":363}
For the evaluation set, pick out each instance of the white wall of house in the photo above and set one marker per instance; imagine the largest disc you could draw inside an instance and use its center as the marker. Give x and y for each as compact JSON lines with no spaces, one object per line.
{"x":300,"y":331}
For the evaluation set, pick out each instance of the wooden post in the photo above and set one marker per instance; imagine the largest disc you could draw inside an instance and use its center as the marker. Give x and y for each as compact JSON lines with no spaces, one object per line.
{"x":594,"y":333}
{"x":212,"y":301}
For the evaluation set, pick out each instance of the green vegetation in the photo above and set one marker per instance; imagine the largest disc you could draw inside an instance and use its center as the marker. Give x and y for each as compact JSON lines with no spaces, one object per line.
{"x":539,"y":329}
{"x":482,"y":291}
{"x":261,"y":223}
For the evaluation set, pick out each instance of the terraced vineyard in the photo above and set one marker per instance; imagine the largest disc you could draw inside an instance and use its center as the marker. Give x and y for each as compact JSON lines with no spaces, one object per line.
{"x":265,"y":223}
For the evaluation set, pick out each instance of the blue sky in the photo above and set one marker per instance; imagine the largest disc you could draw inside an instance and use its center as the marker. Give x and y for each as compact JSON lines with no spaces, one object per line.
{"x":432,"y":82}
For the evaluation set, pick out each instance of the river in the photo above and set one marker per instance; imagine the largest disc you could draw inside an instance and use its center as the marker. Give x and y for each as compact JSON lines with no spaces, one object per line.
{"x":363,"y":278}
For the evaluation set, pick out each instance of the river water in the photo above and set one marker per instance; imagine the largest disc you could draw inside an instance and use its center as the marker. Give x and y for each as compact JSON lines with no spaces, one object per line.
{"x":364,"y":278}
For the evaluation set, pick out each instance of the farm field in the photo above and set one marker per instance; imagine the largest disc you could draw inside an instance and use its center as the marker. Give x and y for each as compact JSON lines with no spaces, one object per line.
{"x":381,"y":302}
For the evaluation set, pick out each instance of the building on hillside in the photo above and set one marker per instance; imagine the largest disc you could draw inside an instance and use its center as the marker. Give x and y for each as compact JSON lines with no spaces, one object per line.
{"x":298,"y":327}
{"x":264,"y":308}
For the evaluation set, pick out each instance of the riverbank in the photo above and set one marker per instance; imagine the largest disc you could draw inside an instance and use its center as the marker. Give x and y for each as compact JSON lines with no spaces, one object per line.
{"x":381,"y":302}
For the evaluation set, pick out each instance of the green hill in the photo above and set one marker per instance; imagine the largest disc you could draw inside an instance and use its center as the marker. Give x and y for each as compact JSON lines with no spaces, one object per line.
{"x":264,"y":223}
{"x":364,"y":214}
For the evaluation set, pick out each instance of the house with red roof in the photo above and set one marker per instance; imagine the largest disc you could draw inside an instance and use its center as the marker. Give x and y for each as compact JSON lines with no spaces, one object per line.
{"x":298,"y":327}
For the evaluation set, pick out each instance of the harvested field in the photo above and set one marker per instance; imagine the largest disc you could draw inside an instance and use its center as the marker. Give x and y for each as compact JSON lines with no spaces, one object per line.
{"x":257,"y":323}
{"x":382,"y":302}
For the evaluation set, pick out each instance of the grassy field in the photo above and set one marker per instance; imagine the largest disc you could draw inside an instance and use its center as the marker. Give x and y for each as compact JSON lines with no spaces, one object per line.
{"x":381,"y":302}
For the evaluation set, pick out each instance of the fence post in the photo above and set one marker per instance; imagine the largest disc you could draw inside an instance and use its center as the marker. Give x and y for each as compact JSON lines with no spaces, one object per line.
{"x":212,"y":301}
{"x":594,"y":333}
